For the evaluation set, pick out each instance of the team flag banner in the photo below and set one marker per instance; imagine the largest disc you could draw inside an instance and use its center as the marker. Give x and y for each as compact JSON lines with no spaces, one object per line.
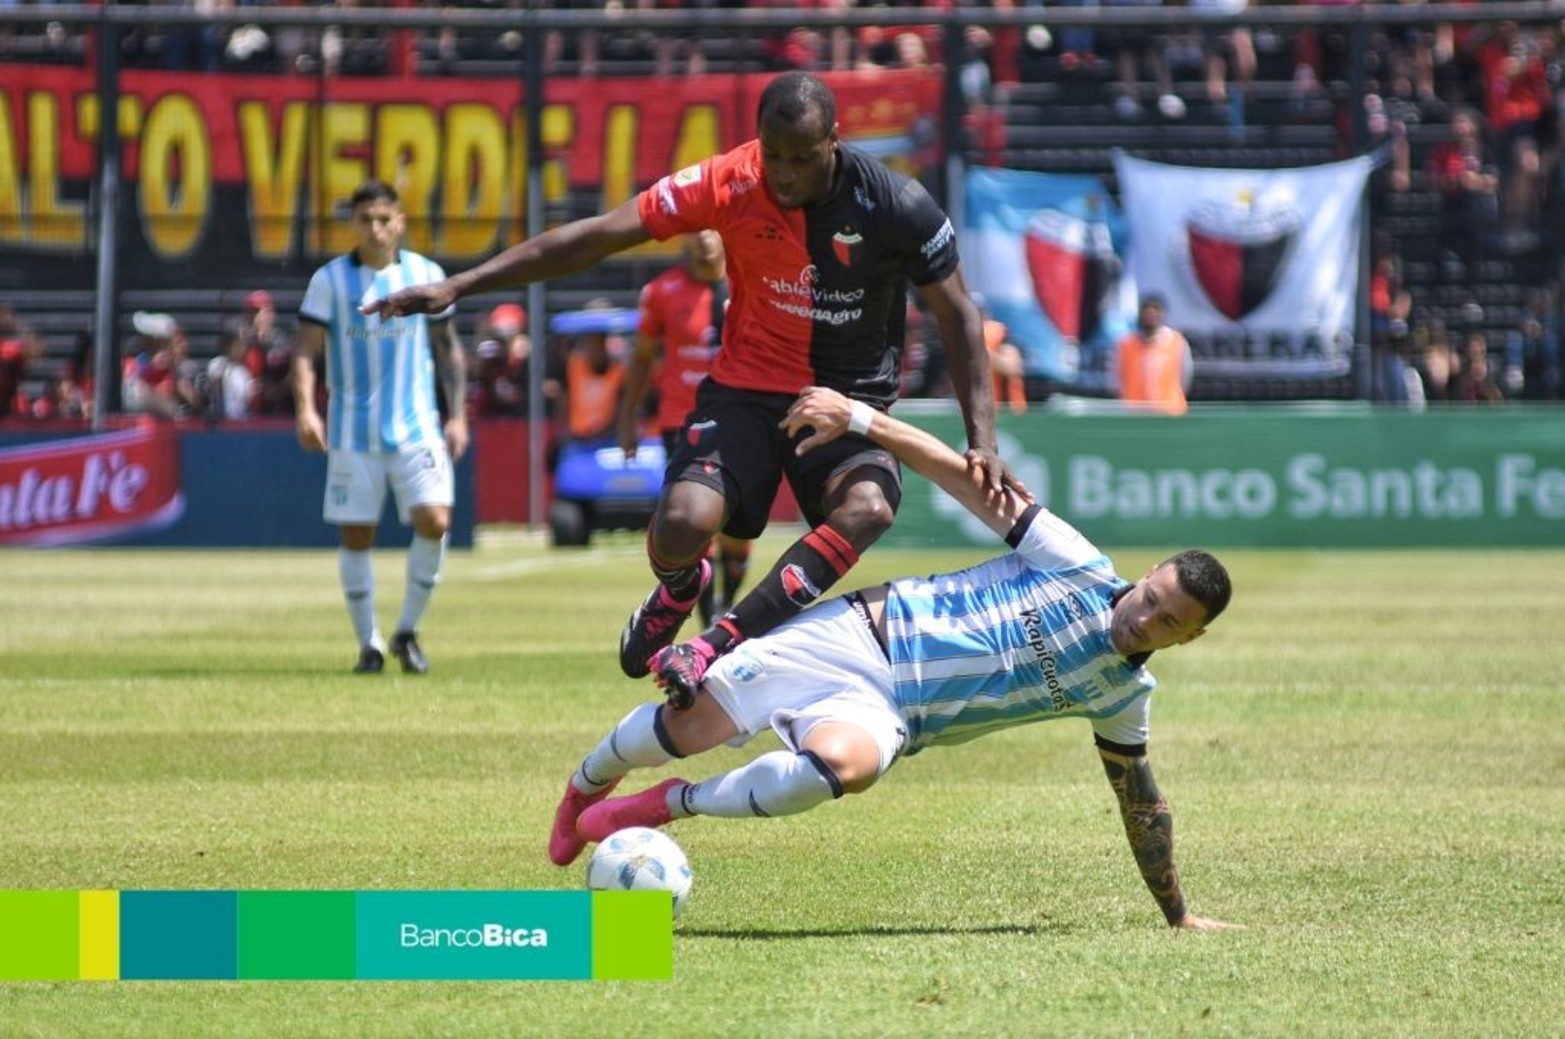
{"x":336,"y":935}
{"x":83,"y":489}
{"x":1259,"y":268}
{"x":1043,"y":251}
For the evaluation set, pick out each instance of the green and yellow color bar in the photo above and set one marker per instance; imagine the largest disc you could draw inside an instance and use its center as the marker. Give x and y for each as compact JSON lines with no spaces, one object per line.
{"x":336,"y":935}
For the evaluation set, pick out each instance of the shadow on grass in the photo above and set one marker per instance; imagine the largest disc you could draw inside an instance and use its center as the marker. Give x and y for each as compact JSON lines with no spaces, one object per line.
{"x":763,"y":935}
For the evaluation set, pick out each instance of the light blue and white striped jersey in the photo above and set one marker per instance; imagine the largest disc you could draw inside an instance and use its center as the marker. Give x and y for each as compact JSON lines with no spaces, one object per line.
{"x":381,"y":373}
{"x":1021,"y":638}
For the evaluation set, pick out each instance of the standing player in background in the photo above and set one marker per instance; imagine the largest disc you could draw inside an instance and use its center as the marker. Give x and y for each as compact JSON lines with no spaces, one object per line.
{"x":383,"y":425}
{"x":821,"y":241}
{"x":1044,"y":632}
{"x":682,"y":310}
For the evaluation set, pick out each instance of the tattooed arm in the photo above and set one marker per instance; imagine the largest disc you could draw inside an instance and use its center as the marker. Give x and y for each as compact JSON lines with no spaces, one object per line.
{"x":1150,"y":826}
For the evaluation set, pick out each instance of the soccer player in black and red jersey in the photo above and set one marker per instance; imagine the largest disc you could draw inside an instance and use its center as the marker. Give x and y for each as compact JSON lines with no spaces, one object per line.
{"x":821,"y":241}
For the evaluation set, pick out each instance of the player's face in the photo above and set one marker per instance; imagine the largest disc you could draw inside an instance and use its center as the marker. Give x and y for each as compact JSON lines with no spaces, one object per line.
{"x":377,"y":228}
{"x":799,"y":160}
{"x":1155,"y":614}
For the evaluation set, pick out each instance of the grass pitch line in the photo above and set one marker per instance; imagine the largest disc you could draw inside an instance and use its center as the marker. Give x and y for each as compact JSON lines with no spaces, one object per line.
{"x":556,"y":561}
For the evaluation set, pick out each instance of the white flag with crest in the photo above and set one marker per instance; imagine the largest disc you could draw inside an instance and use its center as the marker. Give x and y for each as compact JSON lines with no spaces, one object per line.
{"x":1259,"y":268}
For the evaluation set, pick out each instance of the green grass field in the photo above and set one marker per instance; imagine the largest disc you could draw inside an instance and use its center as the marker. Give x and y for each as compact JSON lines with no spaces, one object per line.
{"x":1365,"y":758}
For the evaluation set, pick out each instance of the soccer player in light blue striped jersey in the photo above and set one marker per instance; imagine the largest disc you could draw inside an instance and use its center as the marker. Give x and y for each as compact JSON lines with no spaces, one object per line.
{"x":855,"y":684}
{"x":382,"y":427}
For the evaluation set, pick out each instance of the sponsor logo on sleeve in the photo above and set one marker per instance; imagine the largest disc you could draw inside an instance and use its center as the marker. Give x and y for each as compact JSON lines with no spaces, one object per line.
{"x":938,"y":241}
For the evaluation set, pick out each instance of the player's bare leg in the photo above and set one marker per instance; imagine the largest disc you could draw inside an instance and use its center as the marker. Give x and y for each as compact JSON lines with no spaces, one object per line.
{"x":689,"y":515}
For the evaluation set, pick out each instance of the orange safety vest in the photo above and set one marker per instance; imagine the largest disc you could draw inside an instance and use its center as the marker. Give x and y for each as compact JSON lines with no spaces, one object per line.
{"x":1151,"y":372}
{"x":591,"y":398}
{"x":1012,"y":389}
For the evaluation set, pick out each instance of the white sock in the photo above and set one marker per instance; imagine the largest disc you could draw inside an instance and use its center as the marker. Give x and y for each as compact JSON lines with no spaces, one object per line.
{"x":634,"y":743}
{"x":424,"y":558}
{"x":358,"y":587}
{"x":778,"y":783}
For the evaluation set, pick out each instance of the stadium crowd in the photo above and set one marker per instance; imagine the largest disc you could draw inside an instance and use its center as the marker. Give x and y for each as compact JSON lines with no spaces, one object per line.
{"x":1468,"y":117}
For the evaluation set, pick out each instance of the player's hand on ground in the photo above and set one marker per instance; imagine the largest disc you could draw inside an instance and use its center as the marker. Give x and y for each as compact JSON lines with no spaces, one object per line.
{"x":1191,"y":922}
{"x":997,"y":475}
{"x":310,"y":431}
{"x":419,"y":299}
{"x":457,"y":436}
{"x":824,"y":411}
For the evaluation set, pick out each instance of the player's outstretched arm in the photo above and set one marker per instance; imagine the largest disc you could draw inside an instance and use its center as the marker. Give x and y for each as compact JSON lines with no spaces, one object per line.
{"x":962,"y":328}
{"x":1149,"y":823}
{"x":830,"y":414}
{"x":563,"y":250}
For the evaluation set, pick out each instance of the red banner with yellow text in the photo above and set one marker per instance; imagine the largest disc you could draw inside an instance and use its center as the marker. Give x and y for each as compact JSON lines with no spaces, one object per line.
{"x":227,"y":176}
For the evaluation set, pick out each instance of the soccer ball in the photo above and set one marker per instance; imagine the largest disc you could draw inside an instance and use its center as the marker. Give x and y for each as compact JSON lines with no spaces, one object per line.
{"x":640,"y":859}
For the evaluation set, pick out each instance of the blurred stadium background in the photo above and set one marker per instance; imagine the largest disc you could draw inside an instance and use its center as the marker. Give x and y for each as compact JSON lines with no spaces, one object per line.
{"x":239,"y":129}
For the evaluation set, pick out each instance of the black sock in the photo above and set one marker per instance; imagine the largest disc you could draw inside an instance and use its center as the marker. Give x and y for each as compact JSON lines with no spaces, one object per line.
{"x":809,"y":567}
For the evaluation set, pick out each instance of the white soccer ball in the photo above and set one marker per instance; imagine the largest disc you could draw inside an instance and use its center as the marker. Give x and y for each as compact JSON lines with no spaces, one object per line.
{"x":640,"y":859}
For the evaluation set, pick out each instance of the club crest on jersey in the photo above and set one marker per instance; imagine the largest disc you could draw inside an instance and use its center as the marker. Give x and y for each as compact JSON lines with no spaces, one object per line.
{"x":687,"y":176}
{"x":801,"y":591}
{"x":696,"y":430}
{"x":845,"y":244}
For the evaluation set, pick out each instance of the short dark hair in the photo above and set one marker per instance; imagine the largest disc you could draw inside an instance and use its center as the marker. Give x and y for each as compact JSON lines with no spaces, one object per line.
{"x":1154,"y":299}
{"x":372,"y":191}
{"x":794,"y":96}
{"x":1204,"y":579}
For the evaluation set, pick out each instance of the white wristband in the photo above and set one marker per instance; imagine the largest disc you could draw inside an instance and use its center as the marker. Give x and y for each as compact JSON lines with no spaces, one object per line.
{"x":859,"y":418}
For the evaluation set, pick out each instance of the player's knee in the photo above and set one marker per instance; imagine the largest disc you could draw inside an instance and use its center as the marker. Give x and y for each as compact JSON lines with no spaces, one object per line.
{"x":687,"y":518}
{"x":850,"y":752}
{"x":432,"y":523}
{"x":863,"y":516}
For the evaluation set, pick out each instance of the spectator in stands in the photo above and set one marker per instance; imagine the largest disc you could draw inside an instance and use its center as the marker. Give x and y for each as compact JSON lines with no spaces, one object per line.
{"x":1520,"y":106}
{"x":594,"y":377}
{"x":505,"y":351}
{"x":1476,"y":383}
{"x":1078,"y":44}
{"x":1436,"y":362}
{"x":1464,"y":173}
{"x":1532,"y":350}
{"x":20,"y":347}
{"x":1394,"y":379}
{"x":268,"y":354}
{"x":583,"y":47}
{"x":73,"y":390}
{"x":354,"y":50}
{"x":1224,"y":51}
{"x":1135,"y":47}
{"x":161,"y":378}
{"x":1390,"y":303}
{"x":1152,"y":362}
{"x":231,"y":388}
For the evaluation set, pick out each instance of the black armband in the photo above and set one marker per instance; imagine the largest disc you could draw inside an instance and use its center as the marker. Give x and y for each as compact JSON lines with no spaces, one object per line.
{"x":1129,"y":750}
{"x":1013,"y":537}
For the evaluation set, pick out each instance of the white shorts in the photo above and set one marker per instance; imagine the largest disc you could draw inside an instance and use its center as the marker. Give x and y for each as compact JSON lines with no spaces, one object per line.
{"x":356,"y":482}
{"x":821,"y":666}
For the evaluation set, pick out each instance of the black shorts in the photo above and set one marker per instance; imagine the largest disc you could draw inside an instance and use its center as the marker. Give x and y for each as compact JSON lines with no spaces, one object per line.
{"x":731,"y":442}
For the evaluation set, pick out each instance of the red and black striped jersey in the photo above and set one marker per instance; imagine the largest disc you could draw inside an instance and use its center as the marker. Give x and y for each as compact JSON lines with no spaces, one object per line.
{"x":818,"y":293}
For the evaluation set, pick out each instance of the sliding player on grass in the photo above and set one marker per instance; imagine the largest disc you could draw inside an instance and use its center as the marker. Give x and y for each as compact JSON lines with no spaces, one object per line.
{"x":856,"y":683}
